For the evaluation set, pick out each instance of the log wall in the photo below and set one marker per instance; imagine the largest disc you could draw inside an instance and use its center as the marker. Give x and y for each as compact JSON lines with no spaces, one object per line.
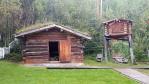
{"x":36,"y":47}
{"x":118,"y":28}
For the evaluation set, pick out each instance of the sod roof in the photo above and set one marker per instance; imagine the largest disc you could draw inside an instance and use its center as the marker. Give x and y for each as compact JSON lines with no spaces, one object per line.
{"x":43,"y":26}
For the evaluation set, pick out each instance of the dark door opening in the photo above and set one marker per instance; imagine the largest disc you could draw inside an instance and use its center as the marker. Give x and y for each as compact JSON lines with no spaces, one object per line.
{"x":54,"y":50}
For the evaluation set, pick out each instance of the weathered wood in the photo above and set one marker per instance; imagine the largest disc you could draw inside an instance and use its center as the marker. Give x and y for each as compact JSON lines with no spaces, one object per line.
{"x":131,"y":50}
{"x":119,"y":29}
{"x":78,"y":46}
{"x":36,"y":43}
{"x":36,"y":53}
{"x":38,"y":57}
{"x":105,"y":49}
{"x":37,"y":47}
{"x":76,"y":53}
{"x":65,"y":51}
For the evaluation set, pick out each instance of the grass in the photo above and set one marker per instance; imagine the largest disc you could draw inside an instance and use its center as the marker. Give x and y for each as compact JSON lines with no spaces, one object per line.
{"x":145,"y":71}
{"x":11,"y":73}
{"x":35,"y":26}
{"x":91,"y":60}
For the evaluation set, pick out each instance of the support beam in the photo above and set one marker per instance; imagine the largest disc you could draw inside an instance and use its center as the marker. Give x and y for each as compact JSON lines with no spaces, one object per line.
{"x":131,"y":50}
{"x":148,"y":53}
{"x":109,"y":49}
{"x":105,"y":49}
{"x":101,"y":9}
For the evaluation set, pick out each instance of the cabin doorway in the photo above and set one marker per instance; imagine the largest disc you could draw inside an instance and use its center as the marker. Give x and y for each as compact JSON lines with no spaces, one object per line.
{"x":54,"y":51}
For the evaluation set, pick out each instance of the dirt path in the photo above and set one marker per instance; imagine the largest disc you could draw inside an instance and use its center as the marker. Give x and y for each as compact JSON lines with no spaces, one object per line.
{"x":135,"y":75}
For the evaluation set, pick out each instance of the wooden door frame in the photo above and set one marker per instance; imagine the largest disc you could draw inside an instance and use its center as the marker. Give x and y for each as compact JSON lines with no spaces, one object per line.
{"x":58,"y":48}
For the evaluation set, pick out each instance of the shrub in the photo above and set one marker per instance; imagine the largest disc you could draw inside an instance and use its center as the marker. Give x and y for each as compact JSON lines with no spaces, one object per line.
{"x":14,"y":57}
{"x":140,"y":55}
{"x":15,"y":54}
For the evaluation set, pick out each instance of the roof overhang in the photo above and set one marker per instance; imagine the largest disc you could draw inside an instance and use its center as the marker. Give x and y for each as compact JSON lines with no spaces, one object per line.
{"x":117,"y":20}
{"x":53,"y":26}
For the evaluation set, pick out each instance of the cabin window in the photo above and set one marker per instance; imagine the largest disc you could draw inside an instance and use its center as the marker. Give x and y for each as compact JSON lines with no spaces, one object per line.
{"x":54,"y":51}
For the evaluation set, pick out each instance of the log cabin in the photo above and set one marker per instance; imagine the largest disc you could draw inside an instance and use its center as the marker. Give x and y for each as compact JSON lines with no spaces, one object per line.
{"x":52,"y":43}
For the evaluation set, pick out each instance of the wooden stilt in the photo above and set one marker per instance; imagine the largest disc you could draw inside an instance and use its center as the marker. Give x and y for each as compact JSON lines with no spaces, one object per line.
{"x":131,"y":50}
{"x":148,"y":53}
{"x":109,"y":49}
{"x":105,"y":49}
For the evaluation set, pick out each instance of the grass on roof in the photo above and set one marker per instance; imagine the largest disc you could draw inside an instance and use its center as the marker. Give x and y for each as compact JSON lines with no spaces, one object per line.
{"x":11,"y":73}
{"x":34,"y":26}
{"x":39,"y":25}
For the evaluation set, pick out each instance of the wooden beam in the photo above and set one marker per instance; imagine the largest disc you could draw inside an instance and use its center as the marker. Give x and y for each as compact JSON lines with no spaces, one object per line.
{"x":97,"y":9}
{"x":105,"y":49}
{"x":109,"y":49}
{"x":148,"y":53}
{"x":131,"y":50}
{"x":101,"y":9}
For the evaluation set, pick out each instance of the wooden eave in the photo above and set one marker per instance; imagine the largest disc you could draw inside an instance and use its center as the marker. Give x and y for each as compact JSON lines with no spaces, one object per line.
{"x":110,"y":21}
{"x":77,"y":33}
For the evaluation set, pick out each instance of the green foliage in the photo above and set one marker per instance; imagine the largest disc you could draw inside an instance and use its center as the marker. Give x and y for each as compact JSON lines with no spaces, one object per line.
{"x":15,"y":54}
{"x":92,"y":47}
{"x":140,"y":55}
{"x":121,"y":47}
{"x":9,"y":15}
{"x":13,"y":57}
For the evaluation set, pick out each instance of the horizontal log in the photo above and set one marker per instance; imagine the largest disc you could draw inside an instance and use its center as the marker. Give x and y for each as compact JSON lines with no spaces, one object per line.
{"x":76,"y":49}
{"x":35,"y":49}
{"x":36,"y":43}
{"x":79,"y":46}
{"x":37,"y":57}
{"x":36,"y":46}
{"x":47,"y":37}
{"x":36,"y":40}
{"x":76,"y":53}
{"x":36,"y":61}
{"x":36,"y":53}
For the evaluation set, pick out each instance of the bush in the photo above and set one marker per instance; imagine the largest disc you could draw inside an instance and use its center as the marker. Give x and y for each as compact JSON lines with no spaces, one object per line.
{"x":15,"y":53}
{"x":14,"y":57}
{"x":92,"y":47}
{"x":140,"y":55}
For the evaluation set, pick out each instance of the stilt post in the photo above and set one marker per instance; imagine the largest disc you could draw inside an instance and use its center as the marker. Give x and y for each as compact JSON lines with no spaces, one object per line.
{"x":105,"y":49}
{"x":131,"y":50}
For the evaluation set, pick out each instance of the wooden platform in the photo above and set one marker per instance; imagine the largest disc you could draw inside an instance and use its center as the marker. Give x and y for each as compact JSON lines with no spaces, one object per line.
{"x":66,"y":66}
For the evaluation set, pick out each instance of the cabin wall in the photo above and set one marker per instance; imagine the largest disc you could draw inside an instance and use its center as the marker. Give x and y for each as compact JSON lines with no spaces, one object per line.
{"x":76,"y":50}
{"x":36,"y":48}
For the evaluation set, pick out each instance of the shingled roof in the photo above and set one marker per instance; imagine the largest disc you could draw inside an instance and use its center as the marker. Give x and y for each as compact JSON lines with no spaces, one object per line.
{"x":50,"y":26}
